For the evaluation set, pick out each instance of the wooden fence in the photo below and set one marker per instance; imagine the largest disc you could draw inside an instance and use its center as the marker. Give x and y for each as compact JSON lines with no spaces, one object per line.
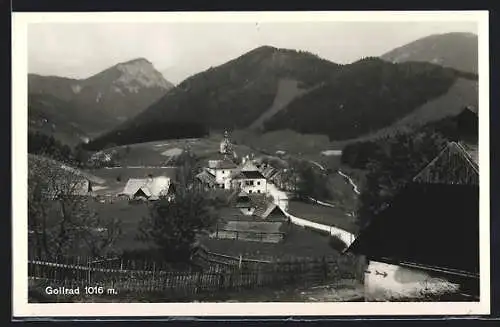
{"x":223,"y":234}
{"x":230,"y":274}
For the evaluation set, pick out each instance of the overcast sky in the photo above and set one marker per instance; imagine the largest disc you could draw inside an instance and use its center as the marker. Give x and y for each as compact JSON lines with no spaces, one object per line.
{"x":179,"y":50}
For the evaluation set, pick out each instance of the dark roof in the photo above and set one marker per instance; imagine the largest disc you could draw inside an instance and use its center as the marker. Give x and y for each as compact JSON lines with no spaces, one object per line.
{"x":427,"y":224}
{"x":226,"y":164}
{"x":251,"y":174}
{"x":206,"y":177}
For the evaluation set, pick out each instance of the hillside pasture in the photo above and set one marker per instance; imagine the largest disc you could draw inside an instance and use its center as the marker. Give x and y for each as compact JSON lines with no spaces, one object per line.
{"x":161,"y":153}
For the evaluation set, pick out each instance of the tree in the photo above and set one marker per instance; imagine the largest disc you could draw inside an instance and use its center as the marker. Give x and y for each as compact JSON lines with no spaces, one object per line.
{"x":172,"y":226}
{"x":60,"y":218}
{"x":393,"y":168}
{"x":187,"y":168}
{"x":308,"y":181}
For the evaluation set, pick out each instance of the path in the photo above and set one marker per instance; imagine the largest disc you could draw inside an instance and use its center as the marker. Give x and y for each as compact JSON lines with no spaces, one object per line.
{"x":281,"y":199}
{"x":354,"y":186}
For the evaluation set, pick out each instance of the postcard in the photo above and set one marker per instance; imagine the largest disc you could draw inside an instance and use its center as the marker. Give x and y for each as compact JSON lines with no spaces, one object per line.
{"x":250,"y":163}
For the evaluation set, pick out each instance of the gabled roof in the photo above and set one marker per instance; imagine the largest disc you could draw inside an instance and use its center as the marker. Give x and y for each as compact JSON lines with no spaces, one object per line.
{"x":455,"y":164}
{"x":206,"y":177}
{"x":249,"y":175}
{"x":249,"y":166}
{"x":472,"y":150}
{"x":224,"y":164}
{"x":151,"y":187}
{"x":427,"y":224}
{"x":268,"y":171}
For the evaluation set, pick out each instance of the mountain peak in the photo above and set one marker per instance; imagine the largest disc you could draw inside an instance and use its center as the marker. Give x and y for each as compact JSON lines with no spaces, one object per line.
{"x":139,"y":72}
{"x":140,"y":60}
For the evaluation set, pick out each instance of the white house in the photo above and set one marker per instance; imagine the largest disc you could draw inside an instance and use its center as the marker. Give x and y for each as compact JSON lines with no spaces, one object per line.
{"x":221,"y":170}
{"x":250,"y":181}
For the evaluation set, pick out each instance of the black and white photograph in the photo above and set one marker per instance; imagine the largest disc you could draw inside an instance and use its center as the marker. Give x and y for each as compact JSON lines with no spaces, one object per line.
{"x":251,"y":163}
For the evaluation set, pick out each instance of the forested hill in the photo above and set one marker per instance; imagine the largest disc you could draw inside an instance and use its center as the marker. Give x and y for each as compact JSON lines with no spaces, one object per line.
{"x":454,"y":50}
{"x":239,"y":91}
{"x":341,"y":101}
{"x":366,"y":96}
{"x":232,"y":95}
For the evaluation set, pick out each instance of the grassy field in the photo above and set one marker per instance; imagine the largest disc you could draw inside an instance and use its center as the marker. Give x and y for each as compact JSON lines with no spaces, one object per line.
{"x":299,"y":242}
{"x":342,"y":193}
{"x":322,"y":215}
{"x":129,"y":216}
{"x":159,"y":153}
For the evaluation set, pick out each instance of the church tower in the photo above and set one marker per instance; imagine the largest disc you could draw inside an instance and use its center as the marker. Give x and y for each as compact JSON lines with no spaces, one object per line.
{"x":225,"y":144}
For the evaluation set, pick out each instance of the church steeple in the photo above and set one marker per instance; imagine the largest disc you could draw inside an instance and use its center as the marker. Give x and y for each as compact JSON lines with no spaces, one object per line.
{"x":225,"y":144}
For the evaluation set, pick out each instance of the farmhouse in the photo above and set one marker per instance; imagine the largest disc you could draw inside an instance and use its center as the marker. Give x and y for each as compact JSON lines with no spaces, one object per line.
{"x":426,"y":242}
{"x":151,"y":188}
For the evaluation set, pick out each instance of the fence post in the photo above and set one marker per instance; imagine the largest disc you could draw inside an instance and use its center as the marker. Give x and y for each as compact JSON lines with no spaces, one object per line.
{"x":88,"y":274}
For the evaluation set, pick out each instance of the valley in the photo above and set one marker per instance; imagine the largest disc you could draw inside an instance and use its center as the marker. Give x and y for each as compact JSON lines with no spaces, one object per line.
{"x":264,"y":171}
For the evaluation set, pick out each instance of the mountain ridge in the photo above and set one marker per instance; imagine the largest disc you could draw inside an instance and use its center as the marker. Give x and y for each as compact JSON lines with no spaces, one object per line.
{"x":458,"y":50}
{"x":99,"y":102}
{"x":240,"y":93}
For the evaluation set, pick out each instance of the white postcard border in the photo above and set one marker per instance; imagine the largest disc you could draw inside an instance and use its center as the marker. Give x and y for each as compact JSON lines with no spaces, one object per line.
{"x":21,"y":307}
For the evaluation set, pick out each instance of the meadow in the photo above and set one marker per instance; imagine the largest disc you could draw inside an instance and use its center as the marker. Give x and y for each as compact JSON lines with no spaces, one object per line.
{"x":323,"y":215}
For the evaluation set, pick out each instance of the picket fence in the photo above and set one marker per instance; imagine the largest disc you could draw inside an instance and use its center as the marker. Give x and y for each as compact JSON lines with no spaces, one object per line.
{"x":222,"y":273}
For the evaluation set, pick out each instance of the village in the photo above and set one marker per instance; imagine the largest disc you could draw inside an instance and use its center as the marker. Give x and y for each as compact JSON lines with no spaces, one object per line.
{"x":262,"y":244}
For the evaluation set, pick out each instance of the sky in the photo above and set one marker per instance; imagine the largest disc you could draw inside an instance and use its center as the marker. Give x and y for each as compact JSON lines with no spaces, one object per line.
{"x":179,"y":50}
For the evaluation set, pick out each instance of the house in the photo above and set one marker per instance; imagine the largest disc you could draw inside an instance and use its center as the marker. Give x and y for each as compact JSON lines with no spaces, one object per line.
{"x":220,"y":166}
{"x":151,"y":188}
{"x":268,"y":171}
{"x":425,"y":243}
{"x":252,"y":218}
{"x":250,"y":181}
{"x":218,"y":173}
{"x":207,"y":179}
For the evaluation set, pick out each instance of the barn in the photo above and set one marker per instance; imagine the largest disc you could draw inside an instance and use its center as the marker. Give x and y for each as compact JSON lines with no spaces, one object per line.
{"x":252,"y":217}
{"x":151,"y":188}
{"x":425,"y":243}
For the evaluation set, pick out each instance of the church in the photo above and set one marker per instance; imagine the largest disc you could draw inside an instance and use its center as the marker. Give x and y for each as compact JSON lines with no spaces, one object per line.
{"x":221,"y":166}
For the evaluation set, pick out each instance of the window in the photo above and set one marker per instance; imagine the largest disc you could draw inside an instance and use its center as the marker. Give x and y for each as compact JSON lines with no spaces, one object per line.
{"x":258,"y":191}
{"x":249,"y":209}
{"x":223,"y":172}
{"x":258,"y":183}
{"x":249,"y":191}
